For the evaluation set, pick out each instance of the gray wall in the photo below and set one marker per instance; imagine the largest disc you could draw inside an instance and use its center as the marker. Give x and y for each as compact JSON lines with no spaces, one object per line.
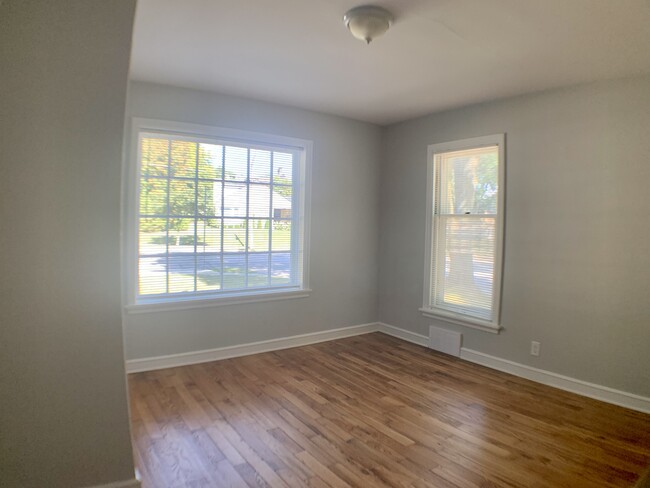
{"x":577,"y":253}
{"x":344,"y":227}
{"x":63,"y":76}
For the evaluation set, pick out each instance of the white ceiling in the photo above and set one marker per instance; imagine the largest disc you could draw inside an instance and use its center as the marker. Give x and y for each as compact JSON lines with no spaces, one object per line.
{"x":438,"y":54}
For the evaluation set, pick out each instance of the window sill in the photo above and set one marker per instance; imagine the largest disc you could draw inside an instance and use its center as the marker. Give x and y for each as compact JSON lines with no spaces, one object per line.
{"x":458,"y":319}
{"x":230,"y":299}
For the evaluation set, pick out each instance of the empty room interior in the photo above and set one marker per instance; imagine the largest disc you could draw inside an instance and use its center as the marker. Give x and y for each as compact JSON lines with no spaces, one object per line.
{"x":254,"y":243}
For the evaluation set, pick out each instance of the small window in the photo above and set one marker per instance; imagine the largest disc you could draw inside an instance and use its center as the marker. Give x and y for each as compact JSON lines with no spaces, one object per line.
{"x":215,"y":215}
{"x":465,"y":231}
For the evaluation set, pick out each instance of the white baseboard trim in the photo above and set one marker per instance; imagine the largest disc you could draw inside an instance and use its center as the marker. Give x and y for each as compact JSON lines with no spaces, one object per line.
{"x":591,"y":390}
{"x":184,"y":359}
{"x":133,"y":483}
{"x":584,"y":388}
{"x":407,"y":335}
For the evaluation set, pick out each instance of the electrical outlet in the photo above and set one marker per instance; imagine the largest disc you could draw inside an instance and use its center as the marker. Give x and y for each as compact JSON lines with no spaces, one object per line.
{"x":534,"y":348}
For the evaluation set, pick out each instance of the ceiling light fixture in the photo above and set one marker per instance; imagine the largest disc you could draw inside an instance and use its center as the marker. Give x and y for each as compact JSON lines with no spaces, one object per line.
{"x":367,"y":22}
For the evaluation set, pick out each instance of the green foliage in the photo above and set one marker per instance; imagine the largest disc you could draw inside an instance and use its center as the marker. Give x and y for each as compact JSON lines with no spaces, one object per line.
{"x":474,"y":183}
{"x":189,"y":241}
{"x":179,"y":160}
{"x":487,"y":183}
{"x":285,"y":191}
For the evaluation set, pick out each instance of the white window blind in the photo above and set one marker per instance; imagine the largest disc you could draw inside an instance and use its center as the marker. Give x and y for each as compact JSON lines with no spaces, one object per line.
{"x":216,"y":217}
{"x":465,"y":223}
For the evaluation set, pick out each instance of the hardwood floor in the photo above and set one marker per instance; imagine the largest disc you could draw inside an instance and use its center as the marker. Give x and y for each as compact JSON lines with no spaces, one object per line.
{"x":374,"y":411}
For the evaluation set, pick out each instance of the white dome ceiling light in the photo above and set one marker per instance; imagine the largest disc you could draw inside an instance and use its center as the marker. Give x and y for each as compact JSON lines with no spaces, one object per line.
{"x":367,"y":22}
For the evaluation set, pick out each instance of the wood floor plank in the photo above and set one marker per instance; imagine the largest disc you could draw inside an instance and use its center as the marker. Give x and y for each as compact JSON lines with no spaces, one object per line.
{"x":375,"y":411}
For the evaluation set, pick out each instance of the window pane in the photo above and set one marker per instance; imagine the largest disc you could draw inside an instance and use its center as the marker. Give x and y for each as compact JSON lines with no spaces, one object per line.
{"x":235,"y":199}
{"x":181,"y":235}
{"x":281,"y":268}
{"x":260,"y":166}
{"x":182,"y":197}
{"x":208,"y":233}
{"x":282,"y":201}
{"x":152,"y":276}
{"x":259,"y":201}
{"x":281,"y":235}
{"x":234,"y":235}
{"x":208,"y":272}
{"x":210,"y":161}
{"x":183,"y":161}
{"x":236,"y":163}
{"x":152,"y":237}
{"x":258,"y":235}
{"x":282,"y":168}
{"x":234,"y":271}
{"x":154,"y":156}
{"x":181,"y":273}
{"x":258,"y":269}
{"x":209,"y":198}
{"x":467,"y":256}
{"x":153,"y":196}
{"x":469,"y":181}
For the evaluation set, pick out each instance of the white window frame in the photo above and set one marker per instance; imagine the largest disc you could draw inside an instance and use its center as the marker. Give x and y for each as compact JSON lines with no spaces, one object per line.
{"x":220,"y":135}
{"x":427,"y":309}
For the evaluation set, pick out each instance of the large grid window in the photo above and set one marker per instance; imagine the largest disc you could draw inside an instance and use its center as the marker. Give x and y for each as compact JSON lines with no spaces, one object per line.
{"x":217,"y":217}
{"x":465,"y":225}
